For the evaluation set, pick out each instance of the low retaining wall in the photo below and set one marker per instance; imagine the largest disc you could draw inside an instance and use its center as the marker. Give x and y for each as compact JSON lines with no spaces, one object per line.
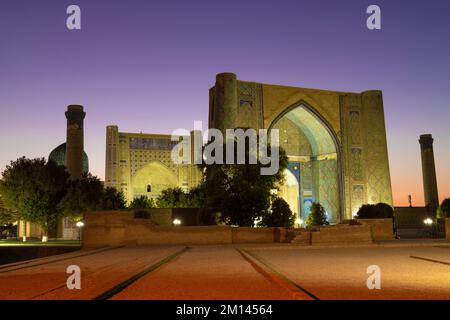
{"x":139,"y":234}
{"x":342,"y":234}
{"x":118,"y":228}
{"x":382,"y":229}
{"x":121,"y":228}
{"x":257,"y":235}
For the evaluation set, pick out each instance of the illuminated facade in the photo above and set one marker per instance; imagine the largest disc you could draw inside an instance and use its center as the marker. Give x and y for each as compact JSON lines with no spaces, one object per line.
{"x":140,"y":164}
{"x":335,"y":141}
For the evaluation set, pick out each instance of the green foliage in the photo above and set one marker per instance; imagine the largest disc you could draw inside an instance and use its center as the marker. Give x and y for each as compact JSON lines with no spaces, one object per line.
{"x":7,"y":216}
{"x":280,"y":215}
{"x":8,"y":230}
{"x":238,"y":191}
{"x":317,"y":216}
{"x":42,"y":192}
{"x":142,"y":202}
{"x":83,"y":195}
{"x":34,"y":188}
{"x":171,"y":198}
{"x":196,"y":197}
{"x":444,"y":209}
{"x":177,"y":198}
{"x":112,"y":199}
{"x":375,"y":211}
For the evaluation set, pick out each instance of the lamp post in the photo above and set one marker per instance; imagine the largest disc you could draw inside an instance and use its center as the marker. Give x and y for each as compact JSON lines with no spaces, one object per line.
{"x":299,"y":222}
{"x":79,"y":224}
{"x":429,"y":222}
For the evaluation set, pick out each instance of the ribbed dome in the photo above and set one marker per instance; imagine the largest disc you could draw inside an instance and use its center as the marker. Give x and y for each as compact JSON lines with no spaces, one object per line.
{"x":59,"y":156}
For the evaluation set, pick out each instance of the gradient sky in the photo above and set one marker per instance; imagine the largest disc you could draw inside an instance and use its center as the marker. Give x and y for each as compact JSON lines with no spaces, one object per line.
{"x":147,"y":66}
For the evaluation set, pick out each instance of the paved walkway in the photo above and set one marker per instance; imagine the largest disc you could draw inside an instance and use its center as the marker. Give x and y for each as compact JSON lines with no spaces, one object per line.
{"x":99,"y":272}
{"x":229,"y":272}
{"x":342,"y":273}
{"x":207,"y":273}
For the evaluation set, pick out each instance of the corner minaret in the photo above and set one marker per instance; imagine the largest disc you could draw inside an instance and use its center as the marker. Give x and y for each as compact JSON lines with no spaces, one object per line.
{"x":75,"y":140}
{"x":225,"y":102}
{"x":429,"y":172}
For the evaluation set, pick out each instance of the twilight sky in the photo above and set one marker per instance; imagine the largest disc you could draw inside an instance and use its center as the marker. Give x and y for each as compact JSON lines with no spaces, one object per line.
{"x":147,"y":66}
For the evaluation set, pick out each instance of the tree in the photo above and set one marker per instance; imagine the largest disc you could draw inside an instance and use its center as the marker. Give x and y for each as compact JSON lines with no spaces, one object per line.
{"x":7,"y":216}
{"x":84,"y":194}
{"x":444,"y":209}
{"x":280,"y":215}
{"x":112,"y":199}
{"x":142,"y":202}
{"x":375,"y":211}
{"x":171,"y":198}
{"x":238,"y":191}
{"x":7,"y":219}
{"x":34,"y":188}
{"x":177,"y":198}
{"x":317,"y":216}
{"x":196,"y":197}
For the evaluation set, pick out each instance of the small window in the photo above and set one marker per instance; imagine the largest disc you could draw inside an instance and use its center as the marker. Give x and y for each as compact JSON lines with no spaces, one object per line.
{"x":149,"y":188}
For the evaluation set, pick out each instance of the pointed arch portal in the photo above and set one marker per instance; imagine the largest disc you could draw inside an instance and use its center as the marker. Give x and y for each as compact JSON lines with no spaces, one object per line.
{"x":151,"y":179}
{"x":314,"y":170}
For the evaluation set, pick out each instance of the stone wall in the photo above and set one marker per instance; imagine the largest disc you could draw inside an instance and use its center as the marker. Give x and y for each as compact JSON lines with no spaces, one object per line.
{"x":120,"y":228}
{"x":382,"y":229}
{"x":342,"y":234}
{"x":161,"y":216}
{"x":138,"y":233}
{"x":257,"y":235}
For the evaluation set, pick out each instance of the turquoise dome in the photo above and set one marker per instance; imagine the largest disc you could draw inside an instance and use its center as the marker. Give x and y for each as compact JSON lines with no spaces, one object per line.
{"x":59,"y":156}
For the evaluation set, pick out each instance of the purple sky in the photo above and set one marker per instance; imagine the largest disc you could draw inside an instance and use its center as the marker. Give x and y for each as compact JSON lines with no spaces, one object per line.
{"x":147,"y":66}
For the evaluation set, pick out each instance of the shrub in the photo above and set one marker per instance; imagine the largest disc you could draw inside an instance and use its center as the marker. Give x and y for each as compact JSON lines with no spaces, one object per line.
{"x":280,"y":216}
{"x":142,"y":202}
{"x":317,"y":216}
{"x":444,"y":209}
{"x":112,"y":199}
{"x":375,"y":211}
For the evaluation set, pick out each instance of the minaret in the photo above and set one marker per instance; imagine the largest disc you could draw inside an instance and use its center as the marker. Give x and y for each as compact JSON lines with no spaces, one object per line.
{"x":429,"y":172}
{"x":226,"y":101}
{"x":112,"y":156}
{"x":75,"y":140}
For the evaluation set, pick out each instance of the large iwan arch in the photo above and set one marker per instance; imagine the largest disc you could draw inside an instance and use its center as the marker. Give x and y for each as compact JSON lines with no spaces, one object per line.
{"x":313,"y":152}
{"x":336,"y":140}
{"x":151,"y":179}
